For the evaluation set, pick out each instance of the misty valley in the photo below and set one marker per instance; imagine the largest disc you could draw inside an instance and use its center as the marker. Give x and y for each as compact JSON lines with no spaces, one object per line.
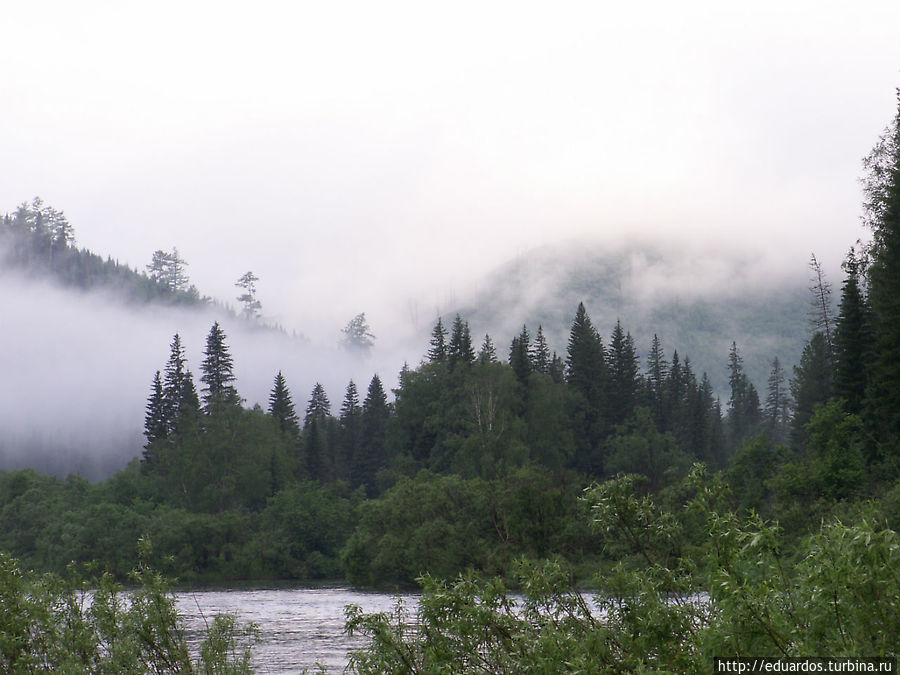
{"x":498,"y":478}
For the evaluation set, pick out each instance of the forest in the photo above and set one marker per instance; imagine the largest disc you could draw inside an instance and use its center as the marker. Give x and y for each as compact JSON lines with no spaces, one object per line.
{"x":533,"y":470}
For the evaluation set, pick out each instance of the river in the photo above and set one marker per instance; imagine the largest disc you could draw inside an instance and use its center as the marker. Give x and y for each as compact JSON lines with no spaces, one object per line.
{"x":298,"y":627}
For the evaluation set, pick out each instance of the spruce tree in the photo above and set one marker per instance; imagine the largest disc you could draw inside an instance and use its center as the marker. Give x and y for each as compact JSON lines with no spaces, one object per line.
{"x":743,"y":405}
{"x":437,"y":351}
{"x":317,"y":436}
{"x":218,"y":375}
{"x":882,"y":188}
{"x":812,"y":384}
{"x":624,"y":375}
{"x":540,"y":353}
{"x":777,"y":408}
{"x":657,"y":374}
{"x":179,"y":394}
{"x":586,"y":374}
{"x":487,"y":354}
{"x":350,"y":421}
{"x":373,"y":447}
{"x":519,"y":355}
{"x":460,"y":350}
{"x":319,"y":407}
{"x":853,"y":343}
{"x":155,"y":427}
{"x":281,"y":408}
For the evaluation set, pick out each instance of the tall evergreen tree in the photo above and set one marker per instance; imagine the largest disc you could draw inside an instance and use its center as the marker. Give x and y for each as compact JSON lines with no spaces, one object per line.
{"x":317,"y":436}
{"x":179,"y":394}
{"x":373,"y":448}
{"x":358,"y":338}
{"x":219,"y":392}
{"x":487,"y":354}
{"x":519,"y":355}
{"x":882,"y":189}
{"x":281,"y":408}
{"x":437,"y":351}
{"x":624,"y":375}
{"x":540,"y":353}
{"x":777,"y":409}
{"x":812,"y":384}
{"x":350,"y":433}
{"x":821,"y":313}
{"x":853,"y":343}
{"x":319,"y":407}
{"x":657,"y":374}
{"x":586,"y":374}
{"x":155,"y":426}
{"x":460,"y":350}
{"x":251,"y":306}
{"x":743,"y":405}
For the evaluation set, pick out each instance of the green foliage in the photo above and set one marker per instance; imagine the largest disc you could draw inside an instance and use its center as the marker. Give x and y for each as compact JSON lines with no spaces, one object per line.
{"x":51,"y":623}
{"x":735,"y":595}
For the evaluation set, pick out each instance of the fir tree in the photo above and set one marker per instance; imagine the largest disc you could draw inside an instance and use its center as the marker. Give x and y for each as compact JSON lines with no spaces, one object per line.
{"x":811,"y":385}
{"x":350,"y":420}
{"x":281,"y":408}
{"x":218,"y":375}
{"x":155,"y":426}
{"x":519,"y":355}
{"x":586,"y":374}
{"x":460,"y":348}
{"x":319,"y":407}
{"x":540,"y":353}
{"x":882,"y":187}
{"x":777,"y":409}
{"x":624,"y":375}
{"x":487,"y":354}
{"x":657,"y":374}
{"x":853,"y":343}
{"x":179,"y":394}
{"x":437,"y":351}
{"x":373,"y":455}
{"x":743,"y":405}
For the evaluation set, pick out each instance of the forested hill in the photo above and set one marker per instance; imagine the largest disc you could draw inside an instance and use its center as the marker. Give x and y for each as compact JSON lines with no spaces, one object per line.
{"x":695,"y":305}
{"x":38,"y":241}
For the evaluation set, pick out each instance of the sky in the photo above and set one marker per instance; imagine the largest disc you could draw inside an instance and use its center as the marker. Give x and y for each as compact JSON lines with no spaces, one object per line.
{"x":379,"y":156}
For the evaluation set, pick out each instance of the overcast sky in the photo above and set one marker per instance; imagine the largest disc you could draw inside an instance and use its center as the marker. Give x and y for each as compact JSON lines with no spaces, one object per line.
{"x":371,"y":156}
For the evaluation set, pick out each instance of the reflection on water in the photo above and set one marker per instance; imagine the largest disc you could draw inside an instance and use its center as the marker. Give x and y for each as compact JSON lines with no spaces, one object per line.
{"x":298,"y":627}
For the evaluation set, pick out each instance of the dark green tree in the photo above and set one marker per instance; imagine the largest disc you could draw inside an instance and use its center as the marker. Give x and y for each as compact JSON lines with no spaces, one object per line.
{"x":882,"y":188}
{"x":318,"y":435}
{"x":743,"y":405}
{"x":180,"y":401}
{"x":350,"y":420}
{"x":219,"y":392}
{"x":281,"y":407}
{"x":155,"y":427}
{"x":587,"y":376}
{"x":520,"y":356}
{"x":812,"y":384}
{"x":373,"y":449}
{"x":624,"y":376}
{"x":487,"y":354}
{"x":460,"y":350}
{"x":540,"y":353}
{"x":778,"y":406}
{"x":657,"y":374}
{"x":853,"y":342}
{"x":437,"y":350}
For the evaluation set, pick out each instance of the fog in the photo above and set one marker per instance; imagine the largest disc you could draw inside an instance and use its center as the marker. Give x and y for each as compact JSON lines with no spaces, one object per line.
{"x":387,"y":157}
{"x":78,"y":369}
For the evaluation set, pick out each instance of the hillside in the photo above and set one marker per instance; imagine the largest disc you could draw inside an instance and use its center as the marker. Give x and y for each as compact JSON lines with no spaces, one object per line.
{"x":696,"y":304}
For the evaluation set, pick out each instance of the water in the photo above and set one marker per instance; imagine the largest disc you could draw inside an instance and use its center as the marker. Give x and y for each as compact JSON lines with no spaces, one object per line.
{"x":298,"y":627}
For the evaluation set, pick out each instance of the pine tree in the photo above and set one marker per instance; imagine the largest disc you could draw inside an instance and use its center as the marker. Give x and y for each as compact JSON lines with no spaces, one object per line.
{"x":350,"y":433}
{"x":487,"y":354}
{"x":853,"y":342}
{"x":179,"y":394}
{"x":358,"y":338}
{"x":777,"y":410}
{"x":821,"y":314}
{"x":437,"y":351}
{"x":319,"y":407}
{"x":882,"y":409}
{"x":540,"y":353}
{"x":281,"y":408}
{"x":373,"y":452}
{"x":586,"y":374}
{"x":460,"y":350}
{"x":251,"y":306}
{"x":624,"y":375}
{"x":657,"y":374}
{"x":218,"y":375}
{"x":812,"y":384}
{"x":743,"y":405}
{"x":519,"y":355}
{"x":155,"y":427}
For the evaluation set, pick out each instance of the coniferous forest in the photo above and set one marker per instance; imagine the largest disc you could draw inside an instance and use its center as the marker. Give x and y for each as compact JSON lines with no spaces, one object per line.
{"x":532,"y":469}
